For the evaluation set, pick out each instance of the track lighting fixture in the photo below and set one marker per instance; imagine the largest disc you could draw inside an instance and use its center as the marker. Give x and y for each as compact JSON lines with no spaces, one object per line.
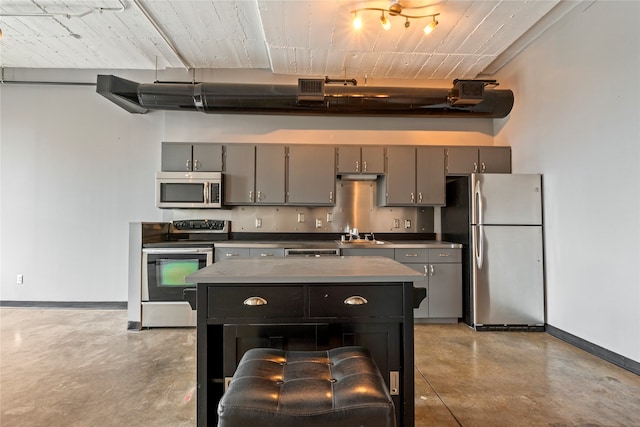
{"x":431,"y":25}
{"x":386,"y":24}
{"x":395,"y":9}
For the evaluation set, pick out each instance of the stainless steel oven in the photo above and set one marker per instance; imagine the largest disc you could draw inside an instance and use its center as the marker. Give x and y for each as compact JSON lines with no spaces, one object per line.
{"x":164,"y":267}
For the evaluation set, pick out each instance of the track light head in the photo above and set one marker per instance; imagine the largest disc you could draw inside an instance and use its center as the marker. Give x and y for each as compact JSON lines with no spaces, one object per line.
{"x":386,"y":24}
{"x":431,"y":26}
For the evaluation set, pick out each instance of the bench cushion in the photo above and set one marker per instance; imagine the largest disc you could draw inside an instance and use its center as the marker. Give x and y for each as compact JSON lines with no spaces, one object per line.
{"x":338,"y":387}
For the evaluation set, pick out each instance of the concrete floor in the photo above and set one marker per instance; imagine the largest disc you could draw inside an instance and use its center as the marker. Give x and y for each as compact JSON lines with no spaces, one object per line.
{"x":83,"y":368}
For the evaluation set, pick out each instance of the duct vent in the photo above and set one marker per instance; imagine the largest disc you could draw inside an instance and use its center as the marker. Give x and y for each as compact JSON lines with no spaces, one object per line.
{"x":467,"y":92}
{"x":311,"y":90}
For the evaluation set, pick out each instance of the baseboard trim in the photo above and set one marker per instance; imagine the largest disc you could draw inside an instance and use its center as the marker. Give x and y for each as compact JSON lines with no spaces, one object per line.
{"x":97,"y":305}
{"x":608,"y":355}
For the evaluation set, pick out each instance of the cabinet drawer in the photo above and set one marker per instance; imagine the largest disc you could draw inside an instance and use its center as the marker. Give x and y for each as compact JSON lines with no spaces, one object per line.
{"x":231,"y":253}
{"x":266,"y":252}
{"x":444,"y":256}
{"x":375,"y":301}
{"x":232,"y":302}
{"x":412,"y":255}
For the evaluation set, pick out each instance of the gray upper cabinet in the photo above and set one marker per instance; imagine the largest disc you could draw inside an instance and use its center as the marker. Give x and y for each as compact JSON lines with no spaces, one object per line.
{"x":312,"y":175}
{"x":414,"y":176}
{"x":430,"y":177}
{"x":356,"y":159}
{"x":183,"y":157}
{"x":254,"y":174}
{"x":468,"y":160}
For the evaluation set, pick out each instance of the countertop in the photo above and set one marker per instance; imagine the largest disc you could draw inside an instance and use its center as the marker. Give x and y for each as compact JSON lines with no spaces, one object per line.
{"x":331,"y":244}
{"x":306,"y":270}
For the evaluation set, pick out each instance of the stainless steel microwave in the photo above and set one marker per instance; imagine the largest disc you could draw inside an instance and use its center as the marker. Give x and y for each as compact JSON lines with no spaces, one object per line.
{"x":189,"y":189}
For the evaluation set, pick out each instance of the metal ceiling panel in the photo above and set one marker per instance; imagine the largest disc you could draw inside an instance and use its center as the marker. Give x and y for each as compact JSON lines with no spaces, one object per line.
{"x":303,"y":37}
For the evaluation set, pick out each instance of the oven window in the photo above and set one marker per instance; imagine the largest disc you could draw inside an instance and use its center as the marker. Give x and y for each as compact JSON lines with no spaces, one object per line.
{"x":171,"y":272}
{"x":182,"y":192}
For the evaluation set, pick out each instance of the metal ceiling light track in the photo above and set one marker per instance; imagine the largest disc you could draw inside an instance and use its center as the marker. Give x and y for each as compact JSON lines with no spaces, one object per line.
{"x":468,"y":98}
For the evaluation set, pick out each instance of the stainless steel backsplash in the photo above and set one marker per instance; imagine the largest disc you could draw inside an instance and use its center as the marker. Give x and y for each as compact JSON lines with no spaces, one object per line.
{"x":355,"y":208}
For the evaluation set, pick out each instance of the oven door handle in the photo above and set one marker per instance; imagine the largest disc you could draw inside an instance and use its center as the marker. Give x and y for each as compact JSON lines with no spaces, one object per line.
{"x":177,"y":251}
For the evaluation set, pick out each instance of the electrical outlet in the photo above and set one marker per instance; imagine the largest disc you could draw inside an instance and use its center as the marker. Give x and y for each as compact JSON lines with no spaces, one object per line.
{"x":258,"y":222}
{"x":20,"y":279}
{"x":300,"y":217}
{"x":396,"y":223}
{"x":407,"y":223}
{"x":318,"y":223}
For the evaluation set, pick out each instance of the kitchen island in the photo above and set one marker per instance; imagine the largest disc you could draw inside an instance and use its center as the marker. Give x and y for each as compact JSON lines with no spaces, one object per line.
{"x":304,"y":304}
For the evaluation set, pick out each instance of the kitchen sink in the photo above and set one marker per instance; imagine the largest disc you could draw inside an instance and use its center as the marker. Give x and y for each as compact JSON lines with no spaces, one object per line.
{"x":361,"y":242}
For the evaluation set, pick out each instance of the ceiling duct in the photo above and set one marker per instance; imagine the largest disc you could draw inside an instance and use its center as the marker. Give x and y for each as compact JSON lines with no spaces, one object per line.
{"x":308,"y":97}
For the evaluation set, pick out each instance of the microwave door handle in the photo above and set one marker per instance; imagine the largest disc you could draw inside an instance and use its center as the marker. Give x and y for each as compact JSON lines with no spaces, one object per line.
{"x":206,"y":192}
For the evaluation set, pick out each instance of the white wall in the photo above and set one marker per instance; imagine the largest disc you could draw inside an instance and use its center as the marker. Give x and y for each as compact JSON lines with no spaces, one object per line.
{"x":74,"y":172}
{"x":576,"y":120}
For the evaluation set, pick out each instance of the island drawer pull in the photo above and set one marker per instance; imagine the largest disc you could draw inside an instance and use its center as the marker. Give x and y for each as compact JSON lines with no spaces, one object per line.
{"x":411,"y":255}
{"x":266,"y":254}
{"x":355,"y":300}
{"x":232,"y":254}
{"x":255,"y":301}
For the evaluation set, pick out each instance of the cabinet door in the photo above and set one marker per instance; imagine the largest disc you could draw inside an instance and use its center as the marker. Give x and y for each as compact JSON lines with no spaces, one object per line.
{"x":462,"y":160}
{"x":372,"y":160}
{"x":430,"y":177}
{"x":239,"y":174}
{"x":176,"y":157}
{"x":445,"y":290}
{"x":207,"y":158}
{"x":495,"y":159}
{"x":348,"y":159}
{"x":401,"y":176}
{"x":312,"y":175}
{"x":270,"y":174}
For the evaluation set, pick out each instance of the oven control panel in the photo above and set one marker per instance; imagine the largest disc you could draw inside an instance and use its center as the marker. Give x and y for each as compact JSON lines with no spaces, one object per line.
{"x":201,"y":225}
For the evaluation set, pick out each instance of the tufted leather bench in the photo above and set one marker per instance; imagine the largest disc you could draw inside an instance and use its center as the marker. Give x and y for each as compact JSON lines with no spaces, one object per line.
{"x":277,"y":388}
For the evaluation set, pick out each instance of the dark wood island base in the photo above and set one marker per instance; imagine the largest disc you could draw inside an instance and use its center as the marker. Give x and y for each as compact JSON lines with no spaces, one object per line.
{"x":304,"y":304}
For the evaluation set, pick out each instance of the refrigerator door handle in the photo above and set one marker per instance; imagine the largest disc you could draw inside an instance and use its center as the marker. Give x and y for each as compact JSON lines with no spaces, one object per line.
{"x":478,"y":236}
{"x":479,"y":207}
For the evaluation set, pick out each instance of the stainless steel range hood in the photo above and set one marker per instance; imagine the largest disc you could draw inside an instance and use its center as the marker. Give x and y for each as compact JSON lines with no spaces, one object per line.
{"x":310,"y":97}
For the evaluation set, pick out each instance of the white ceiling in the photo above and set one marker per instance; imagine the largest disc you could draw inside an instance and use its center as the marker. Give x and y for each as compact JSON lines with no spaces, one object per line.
{"x":303,"y":38}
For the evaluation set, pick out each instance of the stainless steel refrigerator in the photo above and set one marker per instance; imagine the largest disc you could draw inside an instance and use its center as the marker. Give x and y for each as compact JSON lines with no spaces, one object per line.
{"x":498,"y":219}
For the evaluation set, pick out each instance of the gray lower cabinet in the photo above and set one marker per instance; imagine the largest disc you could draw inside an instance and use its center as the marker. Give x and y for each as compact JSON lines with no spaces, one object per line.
{"x":221,"y":252}
{"x":442,"y":270}
{"x":312,"y":175}
{"x":384,"y":252}
{"x":184,"y":157}
{"x":254,"y":174}
{"x":468,"y":160}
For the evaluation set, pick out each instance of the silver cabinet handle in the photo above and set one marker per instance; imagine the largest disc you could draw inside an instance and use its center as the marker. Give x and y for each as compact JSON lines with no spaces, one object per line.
{"x":265,"y":254}
{"x":432,"y":270}
{"x":475,"y":166}
{"x":251,"y":195}
{"x":411,"y":255}
{"x":196,"y":165}
{"x":419,"y":197}
{"x":259,"y":196}
{"x":331,"y":196}
{"x":483,"y":167}
{"x":444,"y":255}
{"x":251,"y":301}
{"x":357,"y":166}
{"x":355,"y":300}
{"x":232,"y":254}
{"x":189,"y":164}
{"x":426,"y":271}
{"x":413,"y":198}
{"x":364,"y":166}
